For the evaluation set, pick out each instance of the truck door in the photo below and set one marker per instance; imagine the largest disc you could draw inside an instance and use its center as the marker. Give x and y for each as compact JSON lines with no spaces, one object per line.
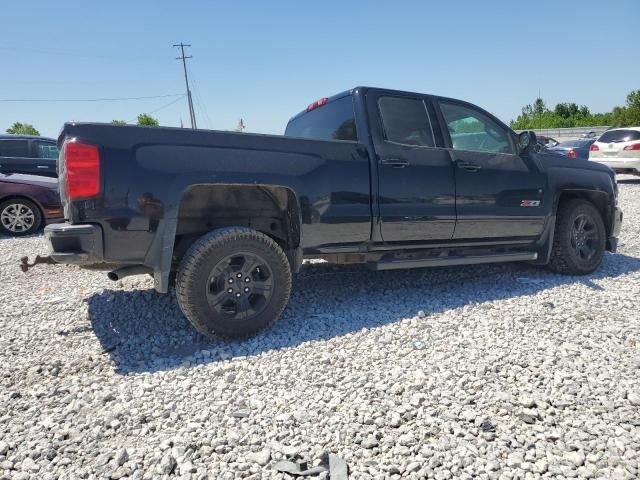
{"x":416,"y":189}
{"x":499,"y":194}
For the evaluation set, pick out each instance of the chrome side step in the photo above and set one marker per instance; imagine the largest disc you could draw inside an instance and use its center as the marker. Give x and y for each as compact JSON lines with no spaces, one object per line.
{"x":454,"y":260}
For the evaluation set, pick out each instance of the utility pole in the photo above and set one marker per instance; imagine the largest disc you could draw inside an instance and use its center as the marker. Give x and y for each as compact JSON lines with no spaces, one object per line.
{"x":192,"y":113}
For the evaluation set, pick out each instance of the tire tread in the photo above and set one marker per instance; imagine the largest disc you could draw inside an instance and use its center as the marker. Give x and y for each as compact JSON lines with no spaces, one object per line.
{"x":561,"y":261}
{"x":191,"y":260}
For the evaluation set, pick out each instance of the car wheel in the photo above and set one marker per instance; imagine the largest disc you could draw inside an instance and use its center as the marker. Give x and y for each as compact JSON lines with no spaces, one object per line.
{"x":19,"y":216}
{"x":579,"y":239}
{"x":233,"y":282}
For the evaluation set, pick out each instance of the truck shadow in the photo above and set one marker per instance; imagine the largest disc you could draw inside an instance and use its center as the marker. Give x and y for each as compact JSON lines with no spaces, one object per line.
{"x":146,"y":332}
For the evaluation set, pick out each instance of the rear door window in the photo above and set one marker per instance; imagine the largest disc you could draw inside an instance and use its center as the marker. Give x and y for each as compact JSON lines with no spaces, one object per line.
{"x":333,"y":121}
{"x":405,"y":121}
{"x":13,"y":148}
{"x":618,"y":136}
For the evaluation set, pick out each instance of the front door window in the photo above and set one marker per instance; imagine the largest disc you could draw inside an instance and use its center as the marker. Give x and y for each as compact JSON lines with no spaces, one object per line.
{"x":473,"y":131}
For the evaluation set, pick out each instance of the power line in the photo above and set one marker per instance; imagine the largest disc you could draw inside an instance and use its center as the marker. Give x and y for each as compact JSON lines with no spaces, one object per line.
{"x":167,"y":104}
{"x":164,"y":106}
{"x":87,"y":99}
{"x":77,"y":53}
{"x":196,"y":91}
{"x":186,"y":81}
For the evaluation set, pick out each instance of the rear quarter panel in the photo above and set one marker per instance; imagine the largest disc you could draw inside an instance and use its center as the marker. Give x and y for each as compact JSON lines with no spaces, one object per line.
{"x":142,"y":167}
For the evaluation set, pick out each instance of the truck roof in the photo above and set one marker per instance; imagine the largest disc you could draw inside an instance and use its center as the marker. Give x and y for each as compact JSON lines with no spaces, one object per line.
{"x":11,"y":136}
{"x":364,"y":89}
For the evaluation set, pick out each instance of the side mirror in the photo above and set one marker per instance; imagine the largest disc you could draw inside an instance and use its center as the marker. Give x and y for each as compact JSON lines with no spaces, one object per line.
{"x":526,"y":141}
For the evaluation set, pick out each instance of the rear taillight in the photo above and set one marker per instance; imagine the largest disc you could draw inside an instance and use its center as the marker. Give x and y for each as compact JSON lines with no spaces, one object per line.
{"x":594,"y":148}
{"x":81,"y":170}
{"x":572,"y":154}
{"x":635,"y":146}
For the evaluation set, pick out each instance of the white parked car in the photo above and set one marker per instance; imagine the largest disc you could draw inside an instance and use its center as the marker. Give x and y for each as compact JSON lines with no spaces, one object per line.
{"x":618,"y":148}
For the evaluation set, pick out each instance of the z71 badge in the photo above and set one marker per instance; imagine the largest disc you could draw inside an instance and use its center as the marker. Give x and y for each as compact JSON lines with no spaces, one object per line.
{"x":530,"y":203}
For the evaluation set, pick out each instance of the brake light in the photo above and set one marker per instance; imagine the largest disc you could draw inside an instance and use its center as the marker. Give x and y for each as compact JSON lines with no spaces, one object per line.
{"x":594,"y":148}
{"x":82,"y":170}
{"x":317,"y":103}
{"x":635,"y":146}
{"x":572,"y":154}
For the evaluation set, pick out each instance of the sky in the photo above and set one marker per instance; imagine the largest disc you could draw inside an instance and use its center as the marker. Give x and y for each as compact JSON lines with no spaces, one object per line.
{"x":265,"y":61}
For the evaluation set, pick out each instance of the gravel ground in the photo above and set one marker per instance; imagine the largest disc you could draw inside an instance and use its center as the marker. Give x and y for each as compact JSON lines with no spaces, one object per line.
{"x":504,"y":371}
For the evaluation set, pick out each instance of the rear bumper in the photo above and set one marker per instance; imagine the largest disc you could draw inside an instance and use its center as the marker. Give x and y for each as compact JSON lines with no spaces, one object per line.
{"x":50,"y":220}
{"x":612,"y":241}
{"x":619,"y":164}
{"x":75,"y":244}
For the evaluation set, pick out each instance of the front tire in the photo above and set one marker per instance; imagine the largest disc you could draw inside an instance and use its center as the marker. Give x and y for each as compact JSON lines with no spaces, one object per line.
{"x":579,"y":239}
{"x":19,"y":216}
{"x":233,"y":282}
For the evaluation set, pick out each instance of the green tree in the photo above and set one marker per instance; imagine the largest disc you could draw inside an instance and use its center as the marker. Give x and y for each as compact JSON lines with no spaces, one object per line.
{"x":22,"y":129}
{"x":563,"y":115}
{"x":633,"y":99}
{"x":118,"y":122}
{"x":566,"y":110}
{"x":633,"y":108}
{"x":148,"y":120}
{"x":539,"y":107}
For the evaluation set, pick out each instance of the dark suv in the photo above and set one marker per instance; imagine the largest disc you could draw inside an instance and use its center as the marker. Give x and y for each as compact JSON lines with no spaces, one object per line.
{"x":28,"y":154}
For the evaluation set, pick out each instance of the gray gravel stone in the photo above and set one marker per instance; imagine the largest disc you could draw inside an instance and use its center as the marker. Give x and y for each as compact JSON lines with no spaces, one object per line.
{"x":121,"y":456}
{"x":515,"y":459}
{"x":261,"y":458}
{"x":109,"y":379}
{"x":576,"y":458}
{"x":28,"y":465}
{"x":634,"y":397}
{"x":166,"y":465}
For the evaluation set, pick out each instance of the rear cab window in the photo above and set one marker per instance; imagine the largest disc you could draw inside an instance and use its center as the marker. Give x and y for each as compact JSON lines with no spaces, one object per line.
{"x":333,"y":121}
{"x":618,"y":136}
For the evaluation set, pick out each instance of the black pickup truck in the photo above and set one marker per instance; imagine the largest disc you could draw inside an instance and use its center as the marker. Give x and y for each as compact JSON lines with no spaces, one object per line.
{"x":387,"y":178}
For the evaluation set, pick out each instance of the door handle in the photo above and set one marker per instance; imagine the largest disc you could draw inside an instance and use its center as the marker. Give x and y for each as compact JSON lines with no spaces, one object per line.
{"x":395,"y":162}
{"x":469,"y":166}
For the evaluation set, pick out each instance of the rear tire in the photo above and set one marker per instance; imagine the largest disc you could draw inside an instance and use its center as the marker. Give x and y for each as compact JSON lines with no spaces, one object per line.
{"x":233,"y":282}
{"x":579,"y":239}
{"x":19,"y":216}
